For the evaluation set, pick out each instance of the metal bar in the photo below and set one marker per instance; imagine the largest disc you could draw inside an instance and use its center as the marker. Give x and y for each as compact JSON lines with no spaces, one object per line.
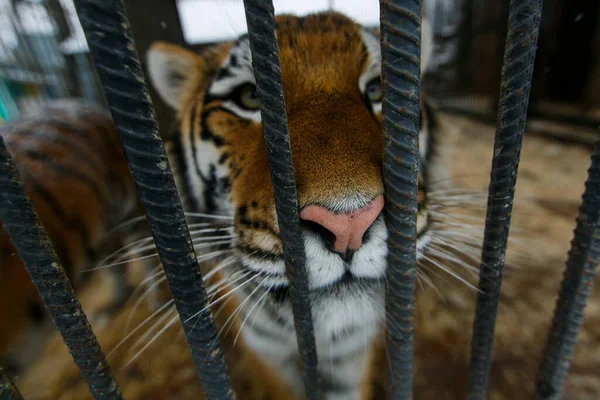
{"x":8,"y":390}
{"x":575,"y":288}
{"x":523,"y":28}
{"x":401,"y":64}
{"x":27,"y":234}
{"x":267,"y":70}
{"x":110,"y":41}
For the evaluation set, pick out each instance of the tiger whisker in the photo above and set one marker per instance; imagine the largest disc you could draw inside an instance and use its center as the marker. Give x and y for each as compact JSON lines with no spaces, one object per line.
{"x":214,"y":238}
{"x":143,"y":297}
{"x":231,"y":279}
{"x":259,"y":301}
{"x":438,"y":252}
{"x":151,"y":341}
{"x":456,"y":217}
{"x":140,"y":326}
{"x":450,"y":272}
{"x":221,"y":298}
{"x":215,"y":241}
{"x":221,"y":265}
{"x":198,"y":233}
{"x":476,"y":243}
{"x":210,"y":216}
{"x":428,"y":280}
{"x":135,"y":251}
{"x":234,"y":313}
{"x":214,"y":287}
{"x":153,"y":328}
{"x":466,"y":250}
{"x":438,"y":274}
{"x":156,"y":271}
{"x":419,"y":280}
{"x":207,"y":225}
{"x":118,"y":251}
{"x":474,"y":248}
{"x":239,"y":308}
{"x":459,"y":191}
{"x":469,"y":230}
{"x":120,"y":263}
{"x":124,"y":224}
{"x":455,"y":198}
{"x":263,"y":304}
{"x":149,"y":290}
{"x":212,"y":254}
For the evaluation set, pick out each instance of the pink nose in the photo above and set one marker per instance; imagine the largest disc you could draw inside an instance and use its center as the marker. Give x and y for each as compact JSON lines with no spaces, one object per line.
{"x":348,"y":228}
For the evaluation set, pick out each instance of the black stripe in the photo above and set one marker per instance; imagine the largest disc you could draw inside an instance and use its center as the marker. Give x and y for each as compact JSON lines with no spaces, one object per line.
{"x":74,"y":150}
{"x":210,"y":189}
{"x":182,"y":171}
{"x":431,"y":126}
{"x":207,"y":134}
{"x":69,"y":223}
{"x":255,"y":252}
{"x":210,"y":110}
{"x":256,"y":225}
{"x":71,"y":173}
{"x":192,"y":141}
{"x":344,"y":357}
{"x":277,"y":318}
{"x":428,"y":114}
{"x":267,"y":306}
{"x":271,"y":334}
{"x":83,"y":132}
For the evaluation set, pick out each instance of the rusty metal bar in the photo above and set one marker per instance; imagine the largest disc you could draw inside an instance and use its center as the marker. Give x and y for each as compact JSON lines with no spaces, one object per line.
{"x":110,"y":41}
{"x":519,"y":55}
{"x":267,"y":70}
{"x":575,"y":289}
{"x":401,"y":65}
{"x":8,"y":390}
{"x":29,"y":237}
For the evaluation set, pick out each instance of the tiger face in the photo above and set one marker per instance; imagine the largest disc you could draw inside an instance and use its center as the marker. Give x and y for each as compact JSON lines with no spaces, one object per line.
{"x":332,"y":87}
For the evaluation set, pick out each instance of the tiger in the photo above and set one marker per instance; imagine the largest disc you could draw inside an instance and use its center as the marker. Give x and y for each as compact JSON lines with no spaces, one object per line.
{"x":331,"y":69}
{"x":73,"y":168}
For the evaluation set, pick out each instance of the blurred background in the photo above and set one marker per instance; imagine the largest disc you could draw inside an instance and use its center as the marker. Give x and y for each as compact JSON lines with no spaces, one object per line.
{"x":43,"y":53}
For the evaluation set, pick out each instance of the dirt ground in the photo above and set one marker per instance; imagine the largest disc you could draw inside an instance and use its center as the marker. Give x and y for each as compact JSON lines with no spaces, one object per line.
{"x":551,"y":180}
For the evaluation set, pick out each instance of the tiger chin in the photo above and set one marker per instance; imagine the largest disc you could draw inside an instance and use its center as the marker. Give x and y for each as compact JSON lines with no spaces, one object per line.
{"x":332,"y":86}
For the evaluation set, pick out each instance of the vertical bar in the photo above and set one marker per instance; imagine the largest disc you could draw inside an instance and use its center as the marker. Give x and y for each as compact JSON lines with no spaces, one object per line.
{"x":523,"y":28}
{"x":110,"y":41}
{"x":401,"y":64}
{"x":575,"y":288}
{"x":8,"y":390}
{"x":28,"y":236}
{"x":267,"y":70}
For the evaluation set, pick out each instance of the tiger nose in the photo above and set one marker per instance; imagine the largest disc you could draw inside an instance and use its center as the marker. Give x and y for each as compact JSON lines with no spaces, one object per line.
{"x":348,"y":228}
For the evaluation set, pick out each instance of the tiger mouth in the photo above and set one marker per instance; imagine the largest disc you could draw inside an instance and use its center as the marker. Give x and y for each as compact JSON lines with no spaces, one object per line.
{"x":280,"y":292}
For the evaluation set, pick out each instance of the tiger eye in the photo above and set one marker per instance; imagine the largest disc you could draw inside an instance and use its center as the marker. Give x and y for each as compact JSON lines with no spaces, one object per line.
{"x":374,"y":91}
{"x":248,"y":97}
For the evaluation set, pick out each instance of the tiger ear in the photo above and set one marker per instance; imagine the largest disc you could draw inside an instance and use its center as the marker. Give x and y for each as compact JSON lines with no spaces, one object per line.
{"x":171,"y":69}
